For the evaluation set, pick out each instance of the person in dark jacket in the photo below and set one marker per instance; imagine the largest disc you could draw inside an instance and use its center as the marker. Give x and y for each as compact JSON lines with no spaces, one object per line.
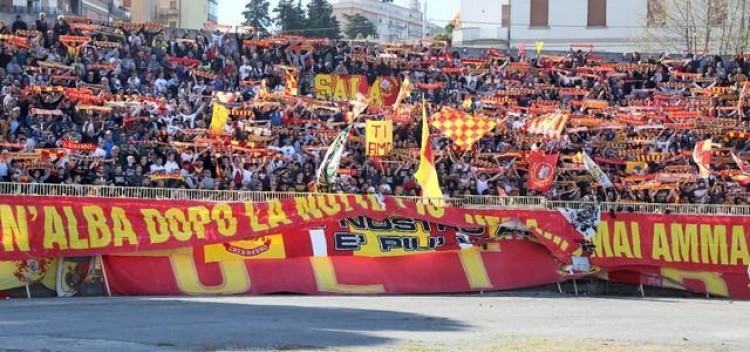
{"x":19,"y":24}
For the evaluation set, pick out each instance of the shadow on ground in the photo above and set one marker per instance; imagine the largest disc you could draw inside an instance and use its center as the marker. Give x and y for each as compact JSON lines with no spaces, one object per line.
{"x":134,"y":324}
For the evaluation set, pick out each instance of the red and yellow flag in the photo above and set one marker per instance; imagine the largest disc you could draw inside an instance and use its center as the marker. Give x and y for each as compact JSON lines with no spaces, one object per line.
{"x":541,"y":170}
{"x":426,"y":175}
{"x":463,"y":129}
{"x":292,"y":85}
{"x":702,"y":157}
{"x":403,"y":93}
{"x":551,"y":125}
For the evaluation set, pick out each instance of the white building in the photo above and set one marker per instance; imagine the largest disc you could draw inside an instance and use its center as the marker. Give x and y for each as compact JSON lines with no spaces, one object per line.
{"x":608,"y":25}
{"x":393,"y":22}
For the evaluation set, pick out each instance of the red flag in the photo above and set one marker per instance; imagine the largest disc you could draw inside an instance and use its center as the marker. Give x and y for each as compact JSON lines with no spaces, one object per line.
{"x":541,"y":170}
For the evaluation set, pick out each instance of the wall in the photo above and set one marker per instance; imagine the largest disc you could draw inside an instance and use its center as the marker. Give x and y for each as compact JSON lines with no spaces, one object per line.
{"x":193,"y":13}
{"x":485,"y":13}
{"x":142,"y":10}
{"x":568,"y":24}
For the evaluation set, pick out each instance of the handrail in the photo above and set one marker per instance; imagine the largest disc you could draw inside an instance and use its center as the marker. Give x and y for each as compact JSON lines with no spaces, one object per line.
{"x":470,"y":202}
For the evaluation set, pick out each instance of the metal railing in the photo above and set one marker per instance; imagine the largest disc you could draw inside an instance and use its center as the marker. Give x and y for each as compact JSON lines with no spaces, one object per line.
{"x":469,"y":202}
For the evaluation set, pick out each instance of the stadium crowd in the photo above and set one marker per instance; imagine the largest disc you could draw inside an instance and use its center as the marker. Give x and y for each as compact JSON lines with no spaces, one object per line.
{"x":131,"y":105}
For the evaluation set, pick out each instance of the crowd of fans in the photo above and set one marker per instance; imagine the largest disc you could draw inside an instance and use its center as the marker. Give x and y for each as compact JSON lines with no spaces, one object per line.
{"x":143,"y":97}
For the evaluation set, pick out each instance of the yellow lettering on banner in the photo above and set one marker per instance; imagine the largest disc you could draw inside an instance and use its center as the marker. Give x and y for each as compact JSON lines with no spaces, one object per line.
{"x":325,"y":277}
{"x":200,"y":217}
{"x":323,"y":85}
{"x":602,"y":247}
{"x":636,"y":233}
{"x":714,"y":245}
{"x":54,"y":230}
{"x":276,"y":215}
{"x":235,"y":278}
{"x":307,"y":209}
{"x":621,"y":241}
{"x":361,"y":202}
{"x":178,"y":227}
{"x":15,"y":228}
{"x":328,"y":205}
{"x":225,"y":221}
{"x":122,"y":228}
{"x":354,"y":82}
{"x":339,"y":89}
{"x":433,"y":211}
{"x":254,"y":224}
{"x":156,"y":226}
{"x":474,"y":269}
{"x":374,"y":203}
{"x":685,"y":243}
{"x":74,"y":239}
{"x":713,"y":282}
{"x":100,"y":235}
{"x":739,"y":247}
{"x":376,"y":95}
{"x":661,"y":244}
{"x":345,"y":202}
{"x":484,"y":221}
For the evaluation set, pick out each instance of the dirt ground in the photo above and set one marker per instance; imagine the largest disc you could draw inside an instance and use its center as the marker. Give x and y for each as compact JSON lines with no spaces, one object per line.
{"x":397,"y":323}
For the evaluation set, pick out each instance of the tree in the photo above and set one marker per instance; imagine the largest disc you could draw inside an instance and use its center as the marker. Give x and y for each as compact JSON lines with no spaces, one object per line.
{"x":256,"y":15}
{"x":290,"y":17}
{"x":321,"y":23}
{"x":447,"y":34}
{"x":359,"y":26}
{"x":697,"y":26}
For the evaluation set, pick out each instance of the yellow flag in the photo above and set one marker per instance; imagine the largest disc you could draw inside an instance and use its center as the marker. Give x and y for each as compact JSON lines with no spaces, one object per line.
{"x":539,"y":47}
{"x":219,"y":118}
{"x":426,"y":175}
{"x":378,"y":137}
{"x":403,"y":93}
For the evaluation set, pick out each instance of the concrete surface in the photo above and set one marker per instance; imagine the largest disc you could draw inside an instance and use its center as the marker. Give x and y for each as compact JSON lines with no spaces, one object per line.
{"x":400,"y":323}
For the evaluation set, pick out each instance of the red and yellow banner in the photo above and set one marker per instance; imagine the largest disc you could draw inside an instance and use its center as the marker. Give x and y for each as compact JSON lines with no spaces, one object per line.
{"x":383,"y":92}
{"x":477,"y":269}
{"x":341,"y":243}
{"x":355,"y":226}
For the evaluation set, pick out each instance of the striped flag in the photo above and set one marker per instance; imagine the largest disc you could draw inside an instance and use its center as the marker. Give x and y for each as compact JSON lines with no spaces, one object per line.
{"x":551,"y":125}
{"x":426,"y":175}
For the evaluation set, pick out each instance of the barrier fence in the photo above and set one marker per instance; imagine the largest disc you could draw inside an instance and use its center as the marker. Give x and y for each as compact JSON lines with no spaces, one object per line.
{"x":476,"y":202}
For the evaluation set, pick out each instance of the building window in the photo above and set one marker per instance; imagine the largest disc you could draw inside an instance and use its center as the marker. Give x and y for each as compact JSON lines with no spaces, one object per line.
{"x":597,"y":13}
{"x":539,"y":13}
{"x":717,"y":12}
{"x":172,"y":24}
{"x":656,"y":15}
{"x":505,"y":16}
{"x":173,"y":5}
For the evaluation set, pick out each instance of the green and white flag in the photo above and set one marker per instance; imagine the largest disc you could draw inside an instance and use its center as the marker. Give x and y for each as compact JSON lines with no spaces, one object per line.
{"x":596,"y":171}
{"x":329,"y":167}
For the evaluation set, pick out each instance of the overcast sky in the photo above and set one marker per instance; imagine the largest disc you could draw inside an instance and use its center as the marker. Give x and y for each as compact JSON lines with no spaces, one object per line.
{"x":438,"y":11}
